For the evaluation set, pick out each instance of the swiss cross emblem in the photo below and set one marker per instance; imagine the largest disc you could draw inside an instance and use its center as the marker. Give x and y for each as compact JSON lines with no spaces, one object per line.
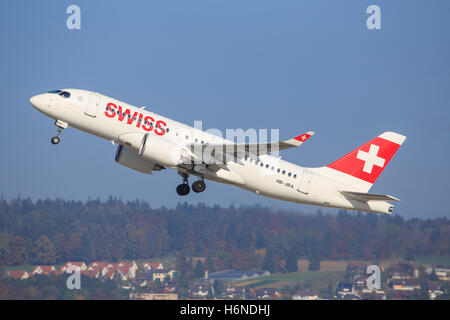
{"x":370,"y":158}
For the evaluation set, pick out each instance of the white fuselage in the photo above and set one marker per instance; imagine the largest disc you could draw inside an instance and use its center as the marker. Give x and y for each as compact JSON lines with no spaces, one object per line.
{"x":269,"y":176}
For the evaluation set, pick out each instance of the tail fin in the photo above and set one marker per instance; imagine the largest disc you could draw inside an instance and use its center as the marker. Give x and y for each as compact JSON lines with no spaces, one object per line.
{"x":362,"y":166}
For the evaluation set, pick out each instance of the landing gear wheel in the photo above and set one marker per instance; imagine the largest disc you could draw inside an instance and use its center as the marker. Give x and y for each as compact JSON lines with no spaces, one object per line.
{"x":183,"y":189}
{"x":199,"y":186}
{"x":55,"y":140}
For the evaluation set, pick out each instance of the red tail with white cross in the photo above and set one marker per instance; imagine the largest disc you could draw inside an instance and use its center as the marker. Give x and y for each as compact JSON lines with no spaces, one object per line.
{"x":369,"y":160}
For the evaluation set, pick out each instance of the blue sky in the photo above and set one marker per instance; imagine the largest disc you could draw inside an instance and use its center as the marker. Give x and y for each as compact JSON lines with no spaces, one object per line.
{"x":292,"y":65}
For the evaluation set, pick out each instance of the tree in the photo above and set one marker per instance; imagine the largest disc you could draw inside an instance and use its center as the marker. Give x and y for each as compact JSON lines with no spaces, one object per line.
{"x":199,"y":270}
{"x":330,"y":290}
{"x":291,"y":261}
{"x":44,"y":251}
{"x":18,"y":251}
{"x":210,"y":264}
{"x":89,"y":254}
{"x":269,"y":261}
{"x":433,"y":276}
{"x":314,"y":262}
{"x":409,"y":255}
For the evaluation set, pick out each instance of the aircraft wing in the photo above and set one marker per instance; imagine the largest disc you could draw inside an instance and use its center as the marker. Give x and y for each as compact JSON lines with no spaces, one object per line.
{"x":239,"y":150}
{"x":368,"y":196}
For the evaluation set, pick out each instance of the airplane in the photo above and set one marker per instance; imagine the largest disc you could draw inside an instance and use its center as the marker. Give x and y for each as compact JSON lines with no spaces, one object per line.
{"x":150,"y":142}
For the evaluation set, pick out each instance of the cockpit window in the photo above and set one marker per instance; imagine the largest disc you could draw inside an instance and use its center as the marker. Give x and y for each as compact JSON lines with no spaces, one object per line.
{"x":64,"y":94}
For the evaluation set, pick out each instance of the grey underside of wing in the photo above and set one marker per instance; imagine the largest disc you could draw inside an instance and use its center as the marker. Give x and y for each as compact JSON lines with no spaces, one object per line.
{"x":256,"y":149}
{"x":368,"y":196}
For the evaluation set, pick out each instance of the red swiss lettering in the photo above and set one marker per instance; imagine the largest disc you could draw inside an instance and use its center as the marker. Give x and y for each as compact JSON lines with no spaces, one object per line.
{"x":159,"y":125}
{"x":142,"y":121}
{"x":111,"y":107}
{"x":148,"y":126}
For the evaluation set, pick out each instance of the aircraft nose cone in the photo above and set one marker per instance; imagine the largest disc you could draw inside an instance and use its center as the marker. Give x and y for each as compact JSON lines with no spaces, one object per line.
{"x":34,"y":100}
{"x":38,"y":102}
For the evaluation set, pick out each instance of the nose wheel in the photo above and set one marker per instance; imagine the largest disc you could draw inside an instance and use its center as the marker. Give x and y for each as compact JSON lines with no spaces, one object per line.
{"x":55,"y":140}
{"x":61,"y":126}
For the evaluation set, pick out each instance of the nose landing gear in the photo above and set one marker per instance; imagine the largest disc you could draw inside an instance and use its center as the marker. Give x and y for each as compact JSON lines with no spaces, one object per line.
{"x":61,"y":126}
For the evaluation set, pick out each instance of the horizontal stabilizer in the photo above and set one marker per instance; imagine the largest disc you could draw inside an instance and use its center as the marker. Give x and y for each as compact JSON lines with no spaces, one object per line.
{"x":368,"y":196}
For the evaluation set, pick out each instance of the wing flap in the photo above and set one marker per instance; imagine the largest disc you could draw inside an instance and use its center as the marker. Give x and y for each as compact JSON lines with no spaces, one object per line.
{"x":368,"y":196}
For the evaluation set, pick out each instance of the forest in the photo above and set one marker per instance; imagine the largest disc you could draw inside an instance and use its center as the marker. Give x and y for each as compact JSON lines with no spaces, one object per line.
{"x":254,"y":237}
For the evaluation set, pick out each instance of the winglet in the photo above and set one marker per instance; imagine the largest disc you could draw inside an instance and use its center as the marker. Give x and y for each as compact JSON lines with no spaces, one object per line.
{"x":301,"y":138}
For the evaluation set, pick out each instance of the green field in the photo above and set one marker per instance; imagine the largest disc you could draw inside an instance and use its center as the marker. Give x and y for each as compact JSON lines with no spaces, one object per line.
{"x":438,"y":260}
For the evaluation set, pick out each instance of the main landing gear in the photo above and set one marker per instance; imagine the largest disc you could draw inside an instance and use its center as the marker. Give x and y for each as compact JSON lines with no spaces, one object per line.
{"x":61,"y":126}
{"x":199,"y":186}
{"x":183,"y":189}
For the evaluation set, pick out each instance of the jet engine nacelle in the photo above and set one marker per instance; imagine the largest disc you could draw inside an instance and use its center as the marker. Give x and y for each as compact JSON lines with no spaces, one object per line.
{"x":160,"y":150}
{"x":152,"y":148}
{"x":133,"y":161}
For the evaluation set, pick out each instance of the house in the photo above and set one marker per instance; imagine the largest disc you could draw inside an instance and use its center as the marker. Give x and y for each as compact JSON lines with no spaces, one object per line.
{"x":235,"y":292}
{"x":401,"y":275}
{"x":267,"y":293}
{"x":108,"y":272}
{"x":44,"y":270}
{"x":163,"y":275}
{"x":360,"y":282}
{"x":305,"y":295}
{"x":90,"y":273}
{"x":405,"y":285}
{"x":171,"y":287}
{"x":434,"y":289}
{"x":344,"y":288}
{"x":70,"y":266}
{"x":94,"y":270}
{"x":368,"y":294}
{"x":16,"y":274}
{"x":348,"y":297}
{"x":199,"y":289}
{"x":126,"y":270}
{"x":96,"y":266}
{"x":443,"y":273}
{"x":148,"y":266}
